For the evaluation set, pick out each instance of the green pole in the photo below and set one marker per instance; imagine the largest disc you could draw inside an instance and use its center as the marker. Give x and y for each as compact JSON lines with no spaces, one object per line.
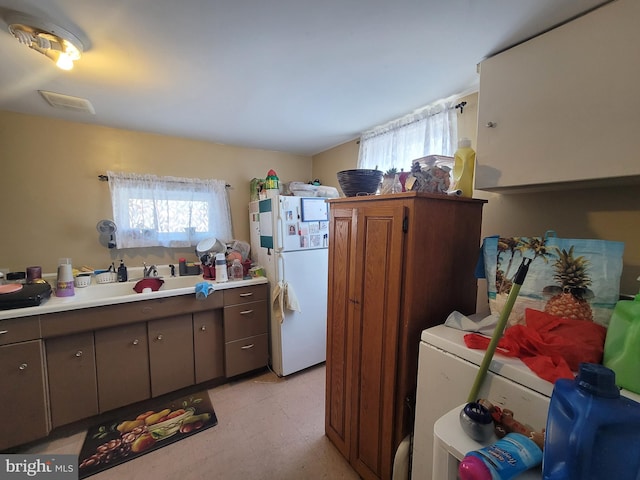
{"x":499,"y":330}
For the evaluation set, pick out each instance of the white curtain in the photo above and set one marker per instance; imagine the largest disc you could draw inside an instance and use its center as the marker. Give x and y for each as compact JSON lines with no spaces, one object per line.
{"x":168,"y":211}
{"x":431,"y":130}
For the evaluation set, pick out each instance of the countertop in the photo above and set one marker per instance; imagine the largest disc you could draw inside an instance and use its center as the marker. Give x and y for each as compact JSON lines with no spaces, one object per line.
{"x":114,"y":293}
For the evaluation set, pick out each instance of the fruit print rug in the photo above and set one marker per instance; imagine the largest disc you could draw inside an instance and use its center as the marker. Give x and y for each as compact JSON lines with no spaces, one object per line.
{"x":134,"y":434}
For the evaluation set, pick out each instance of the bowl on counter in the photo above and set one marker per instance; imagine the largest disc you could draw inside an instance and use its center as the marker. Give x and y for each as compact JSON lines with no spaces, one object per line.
{"x":143,"y":286}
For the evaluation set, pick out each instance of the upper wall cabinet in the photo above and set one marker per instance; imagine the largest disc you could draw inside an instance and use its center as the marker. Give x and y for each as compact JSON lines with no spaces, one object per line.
{"x":564,"y":106}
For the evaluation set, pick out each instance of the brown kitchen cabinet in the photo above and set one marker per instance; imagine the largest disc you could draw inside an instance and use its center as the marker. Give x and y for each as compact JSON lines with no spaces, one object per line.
{"x":171,"y":361}
{"x":122,"y":365}
{"x":24,"y":414}
{"x":71,"y":370}
{"x":397,"y":264}
{"x":208,"y":345}
{"x":246,"y":324}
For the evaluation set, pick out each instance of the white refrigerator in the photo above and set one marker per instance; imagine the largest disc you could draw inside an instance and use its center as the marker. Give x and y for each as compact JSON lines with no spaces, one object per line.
{"x":289,"y":238}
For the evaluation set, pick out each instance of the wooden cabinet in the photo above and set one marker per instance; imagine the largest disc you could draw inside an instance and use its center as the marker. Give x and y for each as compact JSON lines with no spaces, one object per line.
{"x":397,"y":265}
{"x":170,"y":353}
{"x":561,"y":107}
{"x":24,"y":412}
{"x":208,"y":345}
{"x":122,"y":365}
{"x":246,"y":320}
{"x":61,"y":367}
{"x":71,"y":370}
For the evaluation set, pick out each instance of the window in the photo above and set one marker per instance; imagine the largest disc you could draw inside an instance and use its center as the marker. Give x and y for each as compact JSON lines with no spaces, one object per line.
{"x":431,"y":130}
{"x":168,"y":211}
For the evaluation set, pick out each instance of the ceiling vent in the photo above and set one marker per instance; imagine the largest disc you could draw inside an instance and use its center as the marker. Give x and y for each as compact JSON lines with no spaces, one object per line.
{"x":68,"y":102}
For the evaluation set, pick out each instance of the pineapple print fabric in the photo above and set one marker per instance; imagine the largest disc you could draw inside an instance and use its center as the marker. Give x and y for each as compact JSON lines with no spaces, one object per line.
{"x":568,"y":278}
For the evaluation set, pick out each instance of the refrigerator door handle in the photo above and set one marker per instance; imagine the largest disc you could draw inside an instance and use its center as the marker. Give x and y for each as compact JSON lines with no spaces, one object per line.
{"x":280,"y":277}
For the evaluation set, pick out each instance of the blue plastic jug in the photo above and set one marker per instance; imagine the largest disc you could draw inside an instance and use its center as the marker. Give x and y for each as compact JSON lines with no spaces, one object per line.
{"x":592,"y":432}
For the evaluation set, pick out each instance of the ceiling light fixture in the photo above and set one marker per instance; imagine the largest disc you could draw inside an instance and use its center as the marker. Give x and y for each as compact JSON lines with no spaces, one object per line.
{"x":56,"y":43}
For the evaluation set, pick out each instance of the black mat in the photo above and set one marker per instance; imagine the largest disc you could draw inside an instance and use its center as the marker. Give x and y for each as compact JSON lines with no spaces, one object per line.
{"x":118,"y":441}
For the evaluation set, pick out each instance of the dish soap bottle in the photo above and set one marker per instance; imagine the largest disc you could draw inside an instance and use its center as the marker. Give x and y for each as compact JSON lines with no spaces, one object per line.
{"x":122,"y":272}
{"x":464,"y":163}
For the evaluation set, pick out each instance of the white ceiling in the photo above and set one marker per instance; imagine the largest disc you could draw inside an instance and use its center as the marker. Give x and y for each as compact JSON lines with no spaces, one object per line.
{"x":297,"y":76}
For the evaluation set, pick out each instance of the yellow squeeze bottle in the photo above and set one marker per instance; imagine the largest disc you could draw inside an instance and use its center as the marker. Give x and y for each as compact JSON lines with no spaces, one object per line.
{"x":463,"y":168}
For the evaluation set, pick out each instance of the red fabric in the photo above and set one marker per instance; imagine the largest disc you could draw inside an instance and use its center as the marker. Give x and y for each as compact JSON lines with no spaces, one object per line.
{"x":550,"y":346}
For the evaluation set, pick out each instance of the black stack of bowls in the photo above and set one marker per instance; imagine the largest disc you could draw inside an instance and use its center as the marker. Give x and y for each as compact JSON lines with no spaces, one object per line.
{"x":359,"y":181}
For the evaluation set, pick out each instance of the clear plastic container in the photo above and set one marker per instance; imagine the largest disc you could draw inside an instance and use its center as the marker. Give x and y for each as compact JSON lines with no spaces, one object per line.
{"x":622,"y":346}
{"x":592,"y":432}
{"x":237,"y":271}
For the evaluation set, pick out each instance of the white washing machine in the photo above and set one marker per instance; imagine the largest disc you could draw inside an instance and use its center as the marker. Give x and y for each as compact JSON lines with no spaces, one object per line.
{"x":446,"y":372}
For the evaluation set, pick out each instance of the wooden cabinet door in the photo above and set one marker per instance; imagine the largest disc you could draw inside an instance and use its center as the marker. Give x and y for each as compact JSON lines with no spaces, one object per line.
{"x":171,"y":354}
{"x":375,"y":313}
{"x":339,"y":371}
{"x":24,"y":414}
{"x":208,"y":345}
{"x":71,"y":368}
{"x":122,"y":364}
{"x":365,"y":288}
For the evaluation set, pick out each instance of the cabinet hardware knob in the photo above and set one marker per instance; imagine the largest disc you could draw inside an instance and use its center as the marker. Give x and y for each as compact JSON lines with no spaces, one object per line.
{"x":247,"y":347}
{"x":136,"y":341}
{"x":491,"y":125}
{"x":23,"y":366}
{"x":246,"y":294}
{"x":353,"y":300}
{"x":246,"y":312}
{"x":159,"y":337}
{"x":79,"y":353}
{"x":203,"y":328}
{"x":2,"y":332}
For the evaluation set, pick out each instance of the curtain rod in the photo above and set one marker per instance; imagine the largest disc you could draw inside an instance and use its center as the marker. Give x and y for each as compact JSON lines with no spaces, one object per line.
{"x":105,"y":178}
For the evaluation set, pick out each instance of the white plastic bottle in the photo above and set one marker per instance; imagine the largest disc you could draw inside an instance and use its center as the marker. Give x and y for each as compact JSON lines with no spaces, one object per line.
{"x":221,"y":268}
{"x":463,"y":168}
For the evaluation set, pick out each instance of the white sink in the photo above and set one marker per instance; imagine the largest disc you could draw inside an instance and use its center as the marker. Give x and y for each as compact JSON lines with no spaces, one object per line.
{"x":118,"y":289}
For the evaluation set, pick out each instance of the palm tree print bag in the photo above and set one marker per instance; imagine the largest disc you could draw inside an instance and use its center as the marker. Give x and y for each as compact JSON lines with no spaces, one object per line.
{"x":568,"y":278}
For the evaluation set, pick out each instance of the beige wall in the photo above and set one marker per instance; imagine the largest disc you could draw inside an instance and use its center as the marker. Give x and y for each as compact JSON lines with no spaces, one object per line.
{"x":605,"y":213}
{"x":52,"y":198}
{"x":327,"y":164}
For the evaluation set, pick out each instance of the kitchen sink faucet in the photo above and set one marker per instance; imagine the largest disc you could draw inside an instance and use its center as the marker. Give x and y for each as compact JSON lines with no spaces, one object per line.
{"x":152,"y":271}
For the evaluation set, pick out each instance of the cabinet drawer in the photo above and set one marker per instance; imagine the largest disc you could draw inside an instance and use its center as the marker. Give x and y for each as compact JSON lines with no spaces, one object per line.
{"x":252,"y":293}
{"x":245,"y":355}
{"x":245,"y":320}
{"x":19,"y":330}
